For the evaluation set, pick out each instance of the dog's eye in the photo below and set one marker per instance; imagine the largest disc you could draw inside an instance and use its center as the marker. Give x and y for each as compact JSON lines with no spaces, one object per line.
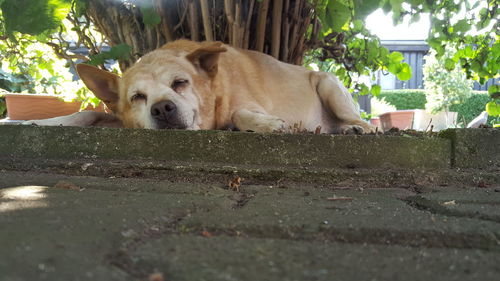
{"x":179,"y":84}
{"x":138,"y":97}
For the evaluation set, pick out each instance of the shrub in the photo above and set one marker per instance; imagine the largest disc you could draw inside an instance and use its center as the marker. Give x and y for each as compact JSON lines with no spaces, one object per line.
{"x":380,"y":106}
{"x":446,"y":84}
{"x":404,"y":98}
{"x":471,"y":107}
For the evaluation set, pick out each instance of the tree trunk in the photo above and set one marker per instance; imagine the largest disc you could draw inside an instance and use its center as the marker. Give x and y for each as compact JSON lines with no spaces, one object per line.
{"x":248,"y":24}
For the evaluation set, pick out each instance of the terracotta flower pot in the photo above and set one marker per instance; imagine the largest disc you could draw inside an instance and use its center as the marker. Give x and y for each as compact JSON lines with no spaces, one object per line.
{"x":401,"y":119}
{"x":375,"y":121}
{"x":40,"y":106}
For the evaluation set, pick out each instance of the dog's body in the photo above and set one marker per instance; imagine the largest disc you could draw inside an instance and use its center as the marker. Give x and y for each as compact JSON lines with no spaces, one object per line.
{"x":189,"y":85}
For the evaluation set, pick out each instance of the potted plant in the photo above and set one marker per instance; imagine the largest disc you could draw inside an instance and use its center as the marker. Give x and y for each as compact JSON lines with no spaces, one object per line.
{"x":56,"y":92}
{"x":445,"y":85}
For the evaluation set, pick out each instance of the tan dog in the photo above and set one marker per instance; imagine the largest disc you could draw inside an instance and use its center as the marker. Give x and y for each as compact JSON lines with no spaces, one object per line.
{"x":209,"y":85}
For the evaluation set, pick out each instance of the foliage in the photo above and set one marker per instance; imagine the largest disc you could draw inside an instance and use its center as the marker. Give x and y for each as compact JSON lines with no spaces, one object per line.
{"x":30,"y":68}
{"x":28,"y":63}
{"x":471,"y":107}
{"x":333,"y":29}
{"x":34,"y":68}
{"x":478,"y":54}
{"x":119,"y":52}
{"x":493,"y":106}
{"x":404,"y":98}
{"x":33,"y":16}
{"x":3,"y":107}
{"x":380,"y":106}
{"x":13,"y":82}
{"x":444,"y":87}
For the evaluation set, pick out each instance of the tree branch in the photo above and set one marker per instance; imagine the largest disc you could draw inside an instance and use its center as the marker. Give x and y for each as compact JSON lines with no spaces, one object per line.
{"x":63,"y":55}
{"x":207,"y":26}
{"x":247,"y":25}
{"x":193,"y":21}
{"x":285,"y":32}
{"x":228,"y":9}
{"x":261,"y":25}
{"x":237,"y":27}
{"x":165,"y":22}
{"x":276,"y":28}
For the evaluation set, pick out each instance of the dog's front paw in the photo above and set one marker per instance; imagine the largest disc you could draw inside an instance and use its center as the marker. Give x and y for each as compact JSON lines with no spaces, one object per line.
{"x":357,"y":129}
{"x":351,"y":130}
{"x":246,"y":120}
{"x":267,"y":124}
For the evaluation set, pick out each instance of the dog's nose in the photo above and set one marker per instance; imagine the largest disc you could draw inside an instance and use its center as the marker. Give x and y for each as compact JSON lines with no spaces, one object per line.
{"x":163,"y":110}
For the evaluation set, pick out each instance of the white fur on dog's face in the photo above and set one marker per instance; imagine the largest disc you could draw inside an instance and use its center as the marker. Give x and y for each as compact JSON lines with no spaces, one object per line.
{"x":155,"y":80}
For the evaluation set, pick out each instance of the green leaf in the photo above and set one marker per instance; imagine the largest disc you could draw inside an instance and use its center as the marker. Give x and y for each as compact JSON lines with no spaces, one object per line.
{"x":394,"y":68}
{"x":363,"y":8}
{"x":121,"y":51}
{"x":468,"y":52}
{"x":396,"y":57}
{"x":476,"y":66}
{"x":494,"y":91}
{"x":415,"y":18}
{"x":118,"y":52}
{"x":357,"y":25}
{"x":150,"y":17}
{"x":337,"y":14}
{"x":34,"y":16}
{"x":363,"y":89}
{"x":405,"y":73}
{"x":396,"y":9}
{"x":493,"y":108}
{"x":461,"y":26}
{"x":80,"y":7}
{"x":449,"y":64}
{"x":376,"y":90}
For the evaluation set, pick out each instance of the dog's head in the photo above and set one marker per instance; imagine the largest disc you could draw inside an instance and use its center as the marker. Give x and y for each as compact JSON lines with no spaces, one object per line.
{"x":164,"y":90}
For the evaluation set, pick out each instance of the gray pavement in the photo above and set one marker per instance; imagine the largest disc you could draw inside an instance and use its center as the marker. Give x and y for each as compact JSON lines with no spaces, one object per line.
{"x":130,"y":204}
{"x":108,"y":228}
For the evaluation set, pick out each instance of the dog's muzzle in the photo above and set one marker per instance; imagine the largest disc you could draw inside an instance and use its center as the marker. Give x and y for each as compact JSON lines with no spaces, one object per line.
{"x":166,"y":115}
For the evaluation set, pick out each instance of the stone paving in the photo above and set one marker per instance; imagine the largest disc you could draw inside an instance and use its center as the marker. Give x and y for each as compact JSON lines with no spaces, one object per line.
{"x":58,"y":227}
{"x":122,"y":204}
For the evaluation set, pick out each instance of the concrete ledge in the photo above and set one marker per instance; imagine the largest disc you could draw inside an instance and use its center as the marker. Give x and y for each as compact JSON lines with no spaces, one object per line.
{"x":474,"y":148}
{"x":228,"y":148}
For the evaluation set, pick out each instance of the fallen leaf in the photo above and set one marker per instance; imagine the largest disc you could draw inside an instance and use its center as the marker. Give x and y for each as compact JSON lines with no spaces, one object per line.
{"x":158,"y":276}
{"x":339,"y":198}
{"x":482,"y":184}
{"x":67,"y":185}
{"x":205,"y":233}
{"x":449,"y":203}
{"x":235,"y":183}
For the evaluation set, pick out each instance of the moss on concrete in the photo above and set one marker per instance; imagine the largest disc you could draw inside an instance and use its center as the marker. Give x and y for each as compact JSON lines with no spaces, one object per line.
{"x":474,"y":148}
{"x":225,"y":147}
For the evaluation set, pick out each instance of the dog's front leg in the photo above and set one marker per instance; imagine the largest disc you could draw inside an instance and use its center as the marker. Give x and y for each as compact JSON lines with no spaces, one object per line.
{"x":257,"y":121}
{"x":79,"y":119}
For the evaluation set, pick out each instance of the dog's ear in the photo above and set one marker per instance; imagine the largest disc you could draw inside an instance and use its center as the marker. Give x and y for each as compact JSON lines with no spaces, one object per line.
{"x":206,"y":58}
{"x":102,"y":83}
